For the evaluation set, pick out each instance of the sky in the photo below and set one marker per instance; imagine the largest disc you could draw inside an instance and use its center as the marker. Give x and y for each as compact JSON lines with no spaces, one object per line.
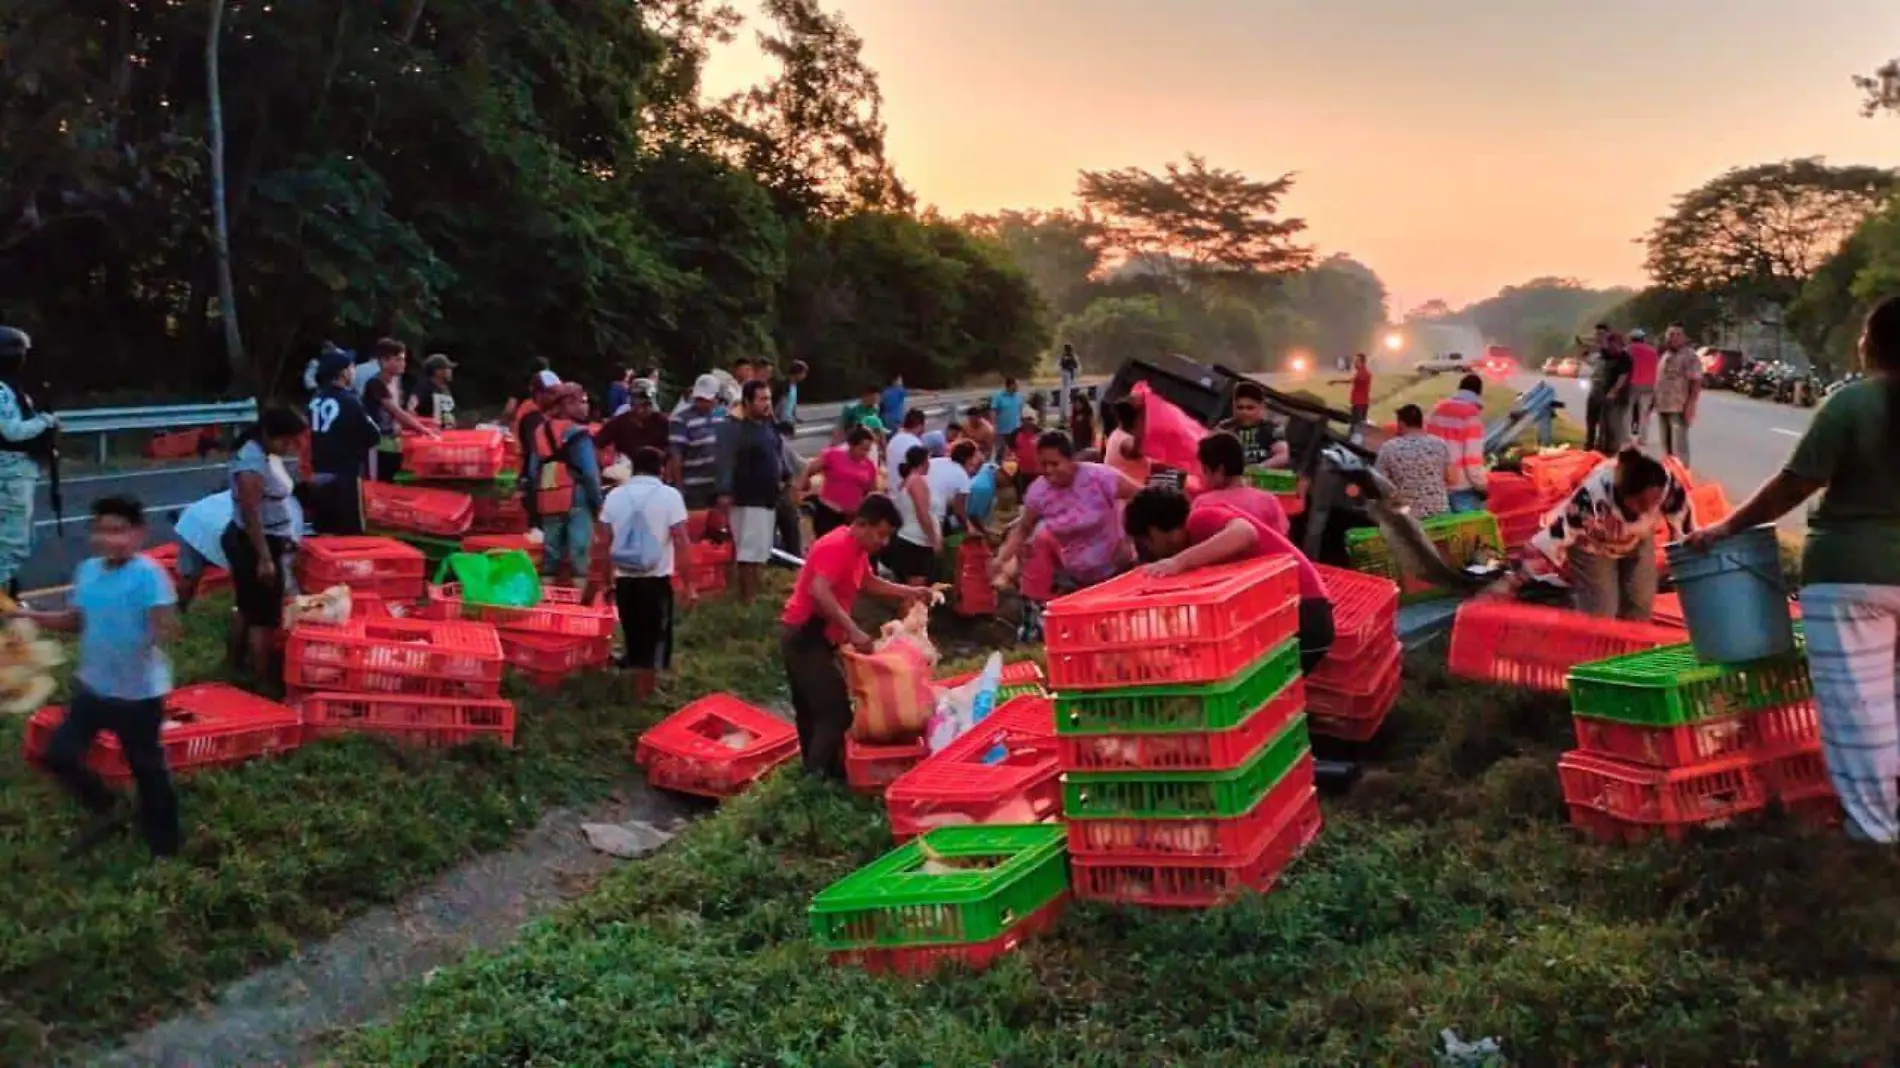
{"x":1455,"y":146}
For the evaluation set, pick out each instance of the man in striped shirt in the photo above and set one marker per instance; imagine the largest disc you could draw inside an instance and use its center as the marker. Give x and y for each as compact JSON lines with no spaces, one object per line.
{"x":1458,"y":421}
{"x":693,"y":443}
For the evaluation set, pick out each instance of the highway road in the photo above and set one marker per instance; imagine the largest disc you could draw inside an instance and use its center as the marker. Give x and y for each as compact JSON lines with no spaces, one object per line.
{"x":1738,"y":441}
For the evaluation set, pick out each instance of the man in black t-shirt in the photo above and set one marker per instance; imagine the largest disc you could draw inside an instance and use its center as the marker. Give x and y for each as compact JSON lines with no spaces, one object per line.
{"x":1250,"y":424}
{"x":341,"y":437}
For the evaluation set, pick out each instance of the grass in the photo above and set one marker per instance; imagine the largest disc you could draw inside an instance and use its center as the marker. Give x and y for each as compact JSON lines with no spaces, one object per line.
{"x":1445,"y":892}
{"x":284,"y":851}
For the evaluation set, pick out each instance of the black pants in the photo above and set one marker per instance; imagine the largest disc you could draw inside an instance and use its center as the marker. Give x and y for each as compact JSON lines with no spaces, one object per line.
{"x":820,"y":701}
{"x":339,"y":506}
{"x":1316,"y":631}
{"x":646,"y":618}
{"x":790,"y":537}
{"x":825,"y":519}
{"x":1593,"y":422}
{"x":387,"y":464}
{"x":909,"y":561}
{"x":136,"y":723}
{"x":260,"y":603}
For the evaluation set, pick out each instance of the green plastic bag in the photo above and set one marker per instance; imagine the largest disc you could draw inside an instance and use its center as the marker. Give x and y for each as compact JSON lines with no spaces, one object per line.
{"x":501,"y":577}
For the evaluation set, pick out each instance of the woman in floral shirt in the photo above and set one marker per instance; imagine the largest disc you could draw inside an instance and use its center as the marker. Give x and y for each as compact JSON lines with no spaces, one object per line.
{"x":1603,"y":538}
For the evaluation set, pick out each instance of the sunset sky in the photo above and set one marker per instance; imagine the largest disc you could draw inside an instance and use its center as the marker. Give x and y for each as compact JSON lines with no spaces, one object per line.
{"x":1456,"y":146}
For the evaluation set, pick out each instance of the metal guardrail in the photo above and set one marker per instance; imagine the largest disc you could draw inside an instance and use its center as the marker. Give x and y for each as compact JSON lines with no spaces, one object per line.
{"x":104,"y":421}
{"x":939,"y":409}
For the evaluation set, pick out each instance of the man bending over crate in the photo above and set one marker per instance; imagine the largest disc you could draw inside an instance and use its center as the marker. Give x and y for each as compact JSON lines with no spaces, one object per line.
{"x":817,"y":622}
{"x":1180,"y":537}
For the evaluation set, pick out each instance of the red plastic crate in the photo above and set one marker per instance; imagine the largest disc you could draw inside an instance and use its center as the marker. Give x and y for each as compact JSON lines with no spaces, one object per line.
{"x":1196,"y":882}
{"x":1556,"y":474}
{"x":166,"y":556}
{"x":1365,"y":611}
{"x":1517,"y":527}
{"x":547,"y":659}
{"x":225,"y":726}
{"x":869,"y":769}
{"x":488,"y":543}
{"x":957,"y":786}
{"x":1798,"y":776}
{"x":1239,"y":837}
{"x":560,"y":612}
{"x":1788,"y":729}
{"x":365,"y":564}
{"x":709,"y":564}
{"x":439,"y":512}
{"x":976,"y":595}
{"x":415,"y":657}
{"x":688,"y":751}
{"x":1699,"y":796}
{"x":1200,"y":626}
{"x":1507,"y":491}
{"x":173,"y":444}
{"x":1186,"y":751}
{"x":498,"y":515}
{"x":1665,"y":747}
{"x":1015,"y":673}
{"x":431,"y":722}
{"x":976,"y":956}
{"x":474,"y":455}
{"x":1353,"y":710}
{"x":1535,"y":646}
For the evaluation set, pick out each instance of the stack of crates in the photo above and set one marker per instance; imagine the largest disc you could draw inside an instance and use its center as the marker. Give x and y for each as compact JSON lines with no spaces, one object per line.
{"x":1535,"y":646}
{"x":1283,"y":484}
{"x":1350,"y":693}
{"x":1003,"y":770}
{"x":423,"y":682}
{"x":209,"y":725}
{"x":1180,"y":718}
{"x":545,"y":643}
{"x":870,"y":769}
{"x":716,"y":747}
{"x":1520,"y":505}
{"x":1666,"y":743}
{"x":471,"y":463}
{"x":383,"y":568}
{"x":964,"y":895}
{"x":1458,"y":537}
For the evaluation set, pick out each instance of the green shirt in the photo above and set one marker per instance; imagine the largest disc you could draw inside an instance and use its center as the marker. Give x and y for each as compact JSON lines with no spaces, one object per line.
{"x":854,"y":415}
{"x":1854,"y":533}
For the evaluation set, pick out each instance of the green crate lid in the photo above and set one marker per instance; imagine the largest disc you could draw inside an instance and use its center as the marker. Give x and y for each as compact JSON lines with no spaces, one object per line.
{"x":1273,"y":479}
{"x":1670,"y":687}
{"x":501,"y":485}
{"x":1094,"y":795}
{"x":892,"y":902}
{"x":1174,"y":709}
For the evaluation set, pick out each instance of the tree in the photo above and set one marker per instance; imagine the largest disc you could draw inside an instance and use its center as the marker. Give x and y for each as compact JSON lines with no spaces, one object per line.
{"x":1115,"y":329}
{"x":1755,"y":234}
{"x":1057,"y":249}
{"x":1430,"y":311}
{"x":1881,"y":89}
{"x":1342,"y":303}
{"x":214,"y":107}
{"x":1195,"y":222}
{"x":1537,"y":319}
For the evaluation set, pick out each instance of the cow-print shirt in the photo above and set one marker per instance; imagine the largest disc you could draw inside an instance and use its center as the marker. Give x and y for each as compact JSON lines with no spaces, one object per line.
{"x":1591,"y":520}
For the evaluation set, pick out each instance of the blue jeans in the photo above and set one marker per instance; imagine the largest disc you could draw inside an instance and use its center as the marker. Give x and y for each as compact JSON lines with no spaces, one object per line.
{"x":1465,"y":500}
{"x":569,"y":537}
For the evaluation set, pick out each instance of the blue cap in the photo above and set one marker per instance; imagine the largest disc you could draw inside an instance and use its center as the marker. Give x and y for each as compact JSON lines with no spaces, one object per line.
{"x":331,"y":364}
{"x":936,"y":443}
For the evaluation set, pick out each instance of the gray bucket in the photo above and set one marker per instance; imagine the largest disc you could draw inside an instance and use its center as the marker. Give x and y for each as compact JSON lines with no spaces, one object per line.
{"x":1734,"y":597}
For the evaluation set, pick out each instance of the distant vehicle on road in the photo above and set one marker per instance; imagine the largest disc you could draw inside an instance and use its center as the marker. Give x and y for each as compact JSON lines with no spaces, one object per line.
{"x":1498,"y":362}
{"x":1452,"y":363}
{"x":1722,"y":368}
{"x":1569,"y":367}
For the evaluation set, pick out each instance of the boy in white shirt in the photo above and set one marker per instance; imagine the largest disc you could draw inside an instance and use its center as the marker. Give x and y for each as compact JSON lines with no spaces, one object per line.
{"x":648,"y":519}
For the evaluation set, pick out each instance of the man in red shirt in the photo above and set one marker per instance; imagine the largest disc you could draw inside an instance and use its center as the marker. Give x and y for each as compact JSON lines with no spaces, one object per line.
{"x":1360,"y":399}
{"x":1180,"y":537}
{"x":1644,"y":359}
{"x":817,"y":621}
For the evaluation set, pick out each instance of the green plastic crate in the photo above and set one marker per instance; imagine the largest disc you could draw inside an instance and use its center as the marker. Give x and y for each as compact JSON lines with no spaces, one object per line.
{"x":1179,"y":709}
{"x":1669,"y":687}
{"x":1273,"y":479}
{"x":502,"y":485}
{"x":1021,"y":689}
{"x":1458,"y":536}
{"x":1103,"y":795}
{"x":893,"y":902}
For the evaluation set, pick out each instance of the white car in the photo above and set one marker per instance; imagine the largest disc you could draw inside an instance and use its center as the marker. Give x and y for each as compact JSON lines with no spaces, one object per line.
{"x":1449,"y":364}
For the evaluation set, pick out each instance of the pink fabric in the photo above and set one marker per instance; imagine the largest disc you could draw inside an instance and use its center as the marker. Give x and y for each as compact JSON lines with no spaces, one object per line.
{"x":1082,"y":524}
{"x":1168,"y":435}
{"x":1208,"y":519}
{"x":1258,"y":503}
{"x":1643,"y":363}
{"x":847,"y":481}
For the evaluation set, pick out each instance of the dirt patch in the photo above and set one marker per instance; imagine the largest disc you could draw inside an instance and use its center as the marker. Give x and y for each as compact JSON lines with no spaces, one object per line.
{"x":289,"y":1013}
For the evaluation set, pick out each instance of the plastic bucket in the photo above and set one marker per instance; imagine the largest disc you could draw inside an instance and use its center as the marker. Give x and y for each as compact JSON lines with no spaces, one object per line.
{"x":1734,"y":597}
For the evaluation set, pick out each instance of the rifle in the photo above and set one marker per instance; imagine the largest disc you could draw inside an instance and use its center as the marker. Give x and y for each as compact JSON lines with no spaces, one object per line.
{"x":53,"y":495}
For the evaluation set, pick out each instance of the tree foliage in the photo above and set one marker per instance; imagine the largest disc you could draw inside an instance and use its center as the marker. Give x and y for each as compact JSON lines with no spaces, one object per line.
{"x":1880,"y":90}
{"x":498,"y":180}
{"x":1755,"y":234}
{"x":1195,"y":221}
{"x":1059,"y":250}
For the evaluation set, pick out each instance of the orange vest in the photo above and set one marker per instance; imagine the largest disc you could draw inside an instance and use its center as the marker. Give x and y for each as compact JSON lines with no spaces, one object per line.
{"x":554,"y":489}
{"x":523,"y":411}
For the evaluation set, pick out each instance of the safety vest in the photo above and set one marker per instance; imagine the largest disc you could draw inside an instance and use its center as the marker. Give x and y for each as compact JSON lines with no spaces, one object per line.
{"x":554,"y":487}
{"x":522,"y":411}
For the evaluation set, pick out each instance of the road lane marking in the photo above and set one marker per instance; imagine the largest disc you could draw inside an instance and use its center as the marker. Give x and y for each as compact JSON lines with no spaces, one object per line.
{"x":1785,"y":430}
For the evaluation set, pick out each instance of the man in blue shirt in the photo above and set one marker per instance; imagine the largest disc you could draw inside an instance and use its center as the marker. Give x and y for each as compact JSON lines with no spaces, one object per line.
{"x":1008,"y":406}
{"x":341,"y":437}
{"x":124,"y":609}
{"x":890,"y":404}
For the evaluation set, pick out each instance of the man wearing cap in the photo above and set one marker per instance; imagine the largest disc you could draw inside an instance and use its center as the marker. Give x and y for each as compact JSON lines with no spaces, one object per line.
{"x":26,"y":437}
{"x":433,"y":400}
{"x":1644,"y":359}
{"x":639,"y":425}
{"x":565,"y":473}
{"x":341,"y":437}
{"x":693,"y":443}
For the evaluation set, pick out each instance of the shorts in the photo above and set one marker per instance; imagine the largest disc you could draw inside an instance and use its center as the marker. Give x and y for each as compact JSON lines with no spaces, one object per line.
{"x":570,"y":538}
{"x":645,"y":604}
{"x":909,"y":560}
{"x":191,"y":562}
{"x":752,"y":534}
{"x":260,"y":603}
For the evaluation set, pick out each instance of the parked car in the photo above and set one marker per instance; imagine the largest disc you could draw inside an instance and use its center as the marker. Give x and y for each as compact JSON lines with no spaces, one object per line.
{"x":1498,"y":362}
{"x":1452,"y":363}
{"x":1723,"y":368}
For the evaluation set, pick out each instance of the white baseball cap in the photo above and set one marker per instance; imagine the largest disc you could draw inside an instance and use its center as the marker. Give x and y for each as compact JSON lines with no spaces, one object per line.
{"x":547,"y":379}
{"x":706,"y":387}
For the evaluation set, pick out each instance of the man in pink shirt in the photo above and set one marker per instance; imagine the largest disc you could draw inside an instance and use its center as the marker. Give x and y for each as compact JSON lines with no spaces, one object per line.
{"x":1644,"y":360}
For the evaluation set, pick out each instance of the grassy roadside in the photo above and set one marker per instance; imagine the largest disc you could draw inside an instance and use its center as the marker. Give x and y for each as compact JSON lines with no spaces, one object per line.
{"x":1445,"y":892}
{"x":281,"y":852}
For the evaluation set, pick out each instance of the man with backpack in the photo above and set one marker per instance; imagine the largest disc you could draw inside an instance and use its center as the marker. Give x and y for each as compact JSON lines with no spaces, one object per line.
{"x":563,"y":482}
{"x":648,"y":520}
